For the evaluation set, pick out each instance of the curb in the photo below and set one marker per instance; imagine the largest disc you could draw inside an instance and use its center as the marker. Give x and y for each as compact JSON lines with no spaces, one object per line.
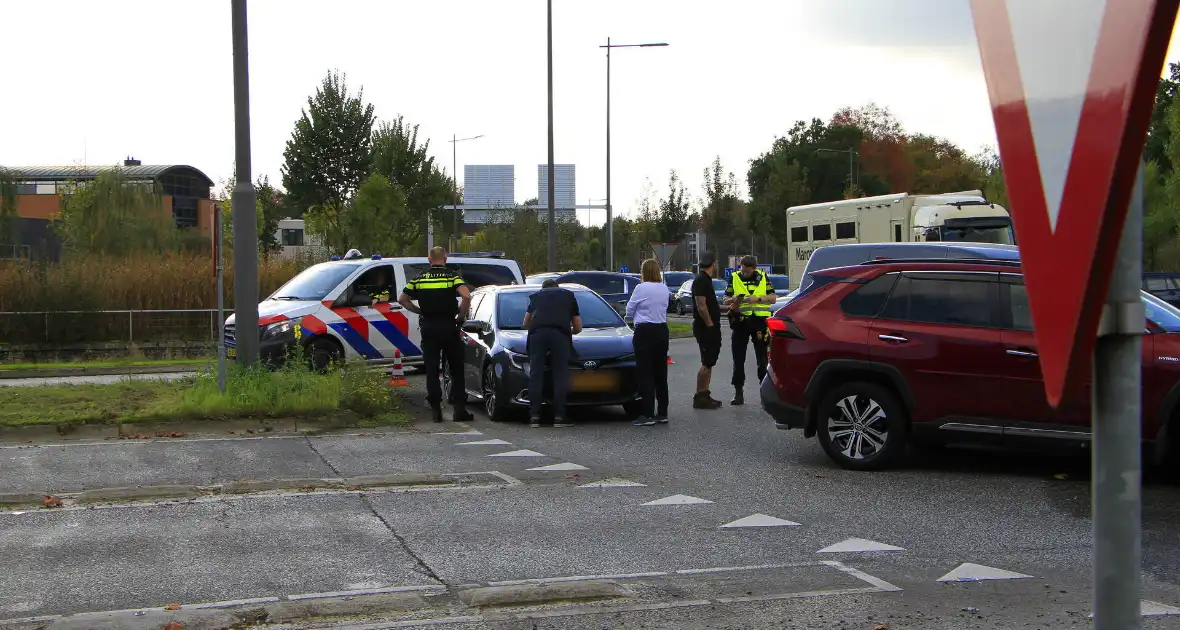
{"x":180,"y":368}
{"x":532,"y":594}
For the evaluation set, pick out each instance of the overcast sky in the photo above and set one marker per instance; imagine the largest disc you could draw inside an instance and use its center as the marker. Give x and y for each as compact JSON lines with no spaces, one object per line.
{"x":91,"y":81}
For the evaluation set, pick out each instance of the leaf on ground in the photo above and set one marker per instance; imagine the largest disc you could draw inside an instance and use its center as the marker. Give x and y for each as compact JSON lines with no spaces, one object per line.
{"x":307,"y":488}
{"x":250,"y":431}
{"x":172,"y":607}
{"x":880,"y":626}
{"x":1061,"y":476}
{"x":51,"y":501}
{"x":353,"y":488}
{"x":821,"y":476}
{"x":172,"y":625}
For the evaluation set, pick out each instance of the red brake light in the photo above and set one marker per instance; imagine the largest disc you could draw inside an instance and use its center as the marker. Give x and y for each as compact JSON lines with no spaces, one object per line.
{"x":776,"y":325}
{"x":783,"y":326}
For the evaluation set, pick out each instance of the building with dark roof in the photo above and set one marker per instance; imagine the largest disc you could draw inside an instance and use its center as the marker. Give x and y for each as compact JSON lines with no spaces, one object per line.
{"x":185,"y":195}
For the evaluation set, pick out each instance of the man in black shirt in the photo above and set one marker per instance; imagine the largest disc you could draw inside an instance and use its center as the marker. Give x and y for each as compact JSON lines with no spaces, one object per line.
{"x":552,"y":320}
{"x":439,"y":314}
{"x":706,"y":327}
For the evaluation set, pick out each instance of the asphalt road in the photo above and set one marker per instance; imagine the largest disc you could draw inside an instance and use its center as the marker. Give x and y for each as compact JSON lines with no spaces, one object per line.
{"x":1026,"y":514}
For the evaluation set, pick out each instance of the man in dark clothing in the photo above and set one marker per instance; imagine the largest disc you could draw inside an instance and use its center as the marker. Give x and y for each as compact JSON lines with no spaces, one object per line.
{"x":706,"y":328}
{"x":552,"y":320}
{"x":439,"y":315}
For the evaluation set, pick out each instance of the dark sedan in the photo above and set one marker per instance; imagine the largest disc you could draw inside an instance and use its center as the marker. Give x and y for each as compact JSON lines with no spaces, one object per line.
{"x":683,"y":298}
{"x":496,"y":364}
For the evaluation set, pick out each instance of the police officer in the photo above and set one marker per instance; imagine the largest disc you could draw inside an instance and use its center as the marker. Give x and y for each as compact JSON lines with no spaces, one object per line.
{"x":749,"y":298}
{"x":439,"y":315}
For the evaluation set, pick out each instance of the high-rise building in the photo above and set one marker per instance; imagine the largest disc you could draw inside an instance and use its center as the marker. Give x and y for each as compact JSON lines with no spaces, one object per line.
{"x":564,"y":192}
{"x":489,"y":185}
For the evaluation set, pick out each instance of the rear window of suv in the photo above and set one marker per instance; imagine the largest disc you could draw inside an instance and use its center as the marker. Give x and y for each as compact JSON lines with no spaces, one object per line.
{"x":868,"y":299}
{"x":951,"y":299}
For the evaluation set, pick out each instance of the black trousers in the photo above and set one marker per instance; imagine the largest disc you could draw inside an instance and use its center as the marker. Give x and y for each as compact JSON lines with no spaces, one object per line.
{"x":552,"y":346}
{"x":442,"y":342}
{"x":651,"y":366}
{"x":743,"y":332}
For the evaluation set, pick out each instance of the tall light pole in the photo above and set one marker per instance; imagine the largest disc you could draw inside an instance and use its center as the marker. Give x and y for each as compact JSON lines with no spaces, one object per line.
{"x":852,"y":155}
{"x":455,"y":171}
{"x":610,"y":223}
{"x":247,"y":338}
{"x":552,"y":213}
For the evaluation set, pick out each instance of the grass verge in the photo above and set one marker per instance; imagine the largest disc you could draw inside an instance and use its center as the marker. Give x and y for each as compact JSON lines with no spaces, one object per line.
{"x":679,"y":328}
{"x":250,"y":393}
{"x":112,"y":363}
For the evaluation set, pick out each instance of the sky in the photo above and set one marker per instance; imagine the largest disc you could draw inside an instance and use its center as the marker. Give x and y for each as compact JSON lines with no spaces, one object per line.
{"x":153,"y":79}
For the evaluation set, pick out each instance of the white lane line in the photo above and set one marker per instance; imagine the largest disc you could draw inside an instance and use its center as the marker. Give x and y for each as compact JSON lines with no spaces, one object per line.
{"x":369,"y":591}
{"x":520,"y":453}
{"x":861,"y":575}
{"x":752,"y":567}
{"x":579,"y":578}
{"x":614,"y":483}
{"x":857,"y":545}
{"x":485,"y":443}
{"x":678,"y":499}
{"x":969,"y":572}
{"x":559,"y":467}
{"x":462,"y":433}
{"x":759,"y":520}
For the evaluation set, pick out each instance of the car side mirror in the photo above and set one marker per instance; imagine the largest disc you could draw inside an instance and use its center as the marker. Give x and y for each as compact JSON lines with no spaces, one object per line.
{"x":474,"y":327}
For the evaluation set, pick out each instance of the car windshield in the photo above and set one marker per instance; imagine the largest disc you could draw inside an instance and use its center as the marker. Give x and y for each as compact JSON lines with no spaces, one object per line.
{"x":1161,"y":313}
{"x":999,"y":235}
{"x":475,"y":275}
{"x":316,"y":282}
{"x":675,"y":278}
{"x":596,"y":313}
{"x":781,"y":283}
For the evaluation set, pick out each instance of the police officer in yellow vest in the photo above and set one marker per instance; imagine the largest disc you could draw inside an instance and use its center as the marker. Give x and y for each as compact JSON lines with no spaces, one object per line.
{"x":439,"y":314}
{"x":749,"y":298}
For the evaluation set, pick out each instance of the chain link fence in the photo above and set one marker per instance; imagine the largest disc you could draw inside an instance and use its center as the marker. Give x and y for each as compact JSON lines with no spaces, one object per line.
{"x":56,"y":328}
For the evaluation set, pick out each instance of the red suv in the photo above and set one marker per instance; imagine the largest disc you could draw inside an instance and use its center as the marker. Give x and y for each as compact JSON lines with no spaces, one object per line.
{"x":875,"y":355}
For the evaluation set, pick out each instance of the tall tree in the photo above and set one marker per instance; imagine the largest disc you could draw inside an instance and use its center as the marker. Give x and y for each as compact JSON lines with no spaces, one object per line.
{"x":776,"y":182}
{"x":1159,"y":133}
{"x":329,"y":152}
{"x":376,"y":220}
{"x":399,"y":157}
{"x":675,"y":214}
{"x":112,"y":215}
{"x":270,"y":208}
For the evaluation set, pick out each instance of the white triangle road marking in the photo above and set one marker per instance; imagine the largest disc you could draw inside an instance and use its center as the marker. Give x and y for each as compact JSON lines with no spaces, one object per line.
{"x":856,"y":545}
{"x":1055,"y":74}
{"x":614,"y":483}
{"x":484,"y":443}
{"x":520,"y":453}
{"x":678,"y":499}
{"x":462,"y":433}
{"x":759,"y":520}
{"x":969,"y":572}
{"x":564,"y":466}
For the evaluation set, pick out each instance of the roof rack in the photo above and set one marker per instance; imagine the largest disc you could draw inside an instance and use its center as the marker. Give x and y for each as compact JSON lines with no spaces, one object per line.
{"x":476,"y":255}
{"x":1003,"y":262}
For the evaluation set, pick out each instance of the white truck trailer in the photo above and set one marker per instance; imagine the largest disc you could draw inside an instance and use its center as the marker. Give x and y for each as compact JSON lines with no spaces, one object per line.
{"x":959,"y":217}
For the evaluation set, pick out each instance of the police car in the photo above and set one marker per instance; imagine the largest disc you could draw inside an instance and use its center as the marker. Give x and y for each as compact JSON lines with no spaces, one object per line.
{"x":327,"y":309}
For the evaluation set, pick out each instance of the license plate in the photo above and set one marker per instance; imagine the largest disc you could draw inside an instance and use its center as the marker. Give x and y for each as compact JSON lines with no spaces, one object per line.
{"x":591,"y":381}
{"x":231,"y":353}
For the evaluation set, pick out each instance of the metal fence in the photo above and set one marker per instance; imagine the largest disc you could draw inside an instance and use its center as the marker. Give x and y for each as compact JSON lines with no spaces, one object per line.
{"x":123,"y":326}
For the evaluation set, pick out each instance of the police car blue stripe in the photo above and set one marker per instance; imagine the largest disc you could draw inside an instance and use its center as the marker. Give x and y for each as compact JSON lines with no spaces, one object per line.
{"x":354,"y":339}
{"x":397,"y":338}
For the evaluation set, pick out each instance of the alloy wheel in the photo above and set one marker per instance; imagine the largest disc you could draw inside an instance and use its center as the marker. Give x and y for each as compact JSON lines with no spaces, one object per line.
{"x":858,"y":427}
{"x":490,"y":403}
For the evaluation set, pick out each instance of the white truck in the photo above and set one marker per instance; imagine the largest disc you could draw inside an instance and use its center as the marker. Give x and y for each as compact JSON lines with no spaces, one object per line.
{"x":957,"y":217}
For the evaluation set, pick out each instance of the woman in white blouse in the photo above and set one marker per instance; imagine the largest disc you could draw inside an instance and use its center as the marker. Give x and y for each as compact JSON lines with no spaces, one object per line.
{"x":648,"y":310}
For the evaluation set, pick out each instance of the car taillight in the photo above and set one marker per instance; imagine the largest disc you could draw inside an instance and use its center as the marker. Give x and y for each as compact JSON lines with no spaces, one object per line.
{"x":783,"y":326}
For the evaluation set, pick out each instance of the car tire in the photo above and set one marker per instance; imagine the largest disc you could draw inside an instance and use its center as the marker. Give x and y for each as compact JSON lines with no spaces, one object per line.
{"x":862,"y":426}
{"x":493,"y":403}
{"x":323,"y":354}
{"x":445,"y":382}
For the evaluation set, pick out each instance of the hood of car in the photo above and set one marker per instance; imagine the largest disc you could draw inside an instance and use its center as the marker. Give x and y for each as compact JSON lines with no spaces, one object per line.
{"x":290,"y":309}
{"x":591,"y":343}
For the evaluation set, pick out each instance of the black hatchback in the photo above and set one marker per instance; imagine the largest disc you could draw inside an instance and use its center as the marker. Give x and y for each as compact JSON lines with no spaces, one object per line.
{"x":496,"y":363}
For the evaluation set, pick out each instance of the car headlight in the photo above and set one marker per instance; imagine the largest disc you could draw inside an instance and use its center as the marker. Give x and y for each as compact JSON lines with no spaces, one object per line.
{"x":518,"y":360}
{"x":279,"y":329}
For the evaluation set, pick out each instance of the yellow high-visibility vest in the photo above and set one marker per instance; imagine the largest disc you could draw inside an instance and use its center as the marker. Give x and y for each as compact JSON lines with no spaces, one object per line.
{"x":758,"y":286}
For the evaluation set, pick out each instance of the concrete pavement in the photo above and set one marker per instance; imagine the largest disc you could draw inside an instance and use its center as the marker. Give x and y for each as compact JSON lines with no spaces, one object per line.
{"x":891,"y":535}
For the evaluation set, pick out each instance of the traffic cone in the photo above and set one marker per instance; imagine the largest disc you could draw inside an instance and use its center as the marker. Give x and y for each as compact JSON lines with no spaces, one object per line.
{"x":670,"y":361}
{"x":398,"y":375}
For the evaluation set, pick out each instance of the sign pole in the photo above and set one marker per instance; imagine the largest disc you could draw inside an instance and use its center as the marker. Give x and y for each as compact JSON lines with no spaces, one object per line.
{"x":1116,"y":442}
{"x":220,"y":299}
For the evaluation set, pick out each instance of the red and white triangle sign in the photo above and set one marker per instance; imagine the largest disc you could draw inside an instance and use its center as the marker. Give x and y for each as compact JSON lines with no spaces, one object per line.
{"x":1072,"y":83}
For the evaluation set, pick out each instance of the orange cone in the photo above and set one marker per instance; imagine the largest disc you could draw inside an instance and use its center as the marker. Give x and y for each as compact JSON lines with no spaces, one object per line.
{"x":670,"y":361}
{"x":398,"y":375}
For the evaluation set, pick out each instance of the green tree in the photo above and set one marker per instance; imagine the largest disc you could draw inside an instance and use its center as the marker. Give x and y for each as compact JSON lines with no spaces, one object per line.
{"x":675,"y":211}
{"x":112,"y":215}
{"x":776,"y":182}
{"x":329,"y":152}
{"x":1159,"y":132}
{"x":270,"y":208}
{"x":399,"y":157}
{"x":723,"y":215}
{"x":377,"y":220}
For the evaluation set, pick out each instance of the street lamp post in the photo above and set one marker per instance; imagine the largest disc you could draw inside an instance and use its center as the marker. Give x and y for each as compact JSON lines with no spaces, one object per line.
{"x":455,"y":140}
{"x":610,"y":224}
{"x":852,"y":155}
{"x":244,"y":213}
{"x":552,"y":214}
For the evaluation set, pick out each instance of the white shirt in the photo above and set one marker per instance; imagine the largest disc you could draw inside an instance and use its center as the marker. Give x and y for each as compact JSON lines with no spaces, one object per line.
{"x":649,"y":303}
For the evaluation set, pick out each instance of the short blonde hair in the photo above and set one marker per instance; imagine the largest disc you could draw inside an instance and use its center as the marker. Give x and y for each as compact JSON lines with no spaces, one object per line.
{"x":650,"y":271}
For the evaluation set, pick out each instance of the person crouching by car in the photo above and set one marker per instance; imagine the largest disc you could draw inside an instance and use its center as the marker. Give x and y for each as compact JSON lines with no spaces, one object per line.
{"x":552,"y":320}
{"x":648,"y":309}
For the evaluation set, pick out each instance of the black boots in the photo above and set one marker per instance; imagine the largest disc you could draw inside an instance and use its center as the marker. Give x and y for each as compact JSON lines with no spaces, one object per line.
{"x":436,"y":413}
{"x":460,"y":414}
{"x":738,"y":398}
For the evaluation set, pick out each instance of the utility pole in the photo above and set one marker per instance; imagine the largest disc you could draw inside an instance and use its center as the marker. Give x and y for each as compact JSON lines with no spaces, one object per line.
{"x":552,"y":213}
{"x":247,"y":338}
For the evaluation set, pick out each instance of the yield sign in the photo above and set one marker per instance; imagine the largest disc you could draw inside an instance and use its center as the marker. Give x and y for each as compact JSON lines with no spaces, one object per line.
{"x":1072,"y":84}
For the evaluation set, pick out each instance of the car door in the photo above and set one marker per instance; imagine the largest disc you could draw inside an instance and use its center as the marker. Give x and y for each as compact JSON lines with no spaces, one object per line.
{"x":366,"y":328}
{"x":938,"y":331}
{"x":472,"y":357}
